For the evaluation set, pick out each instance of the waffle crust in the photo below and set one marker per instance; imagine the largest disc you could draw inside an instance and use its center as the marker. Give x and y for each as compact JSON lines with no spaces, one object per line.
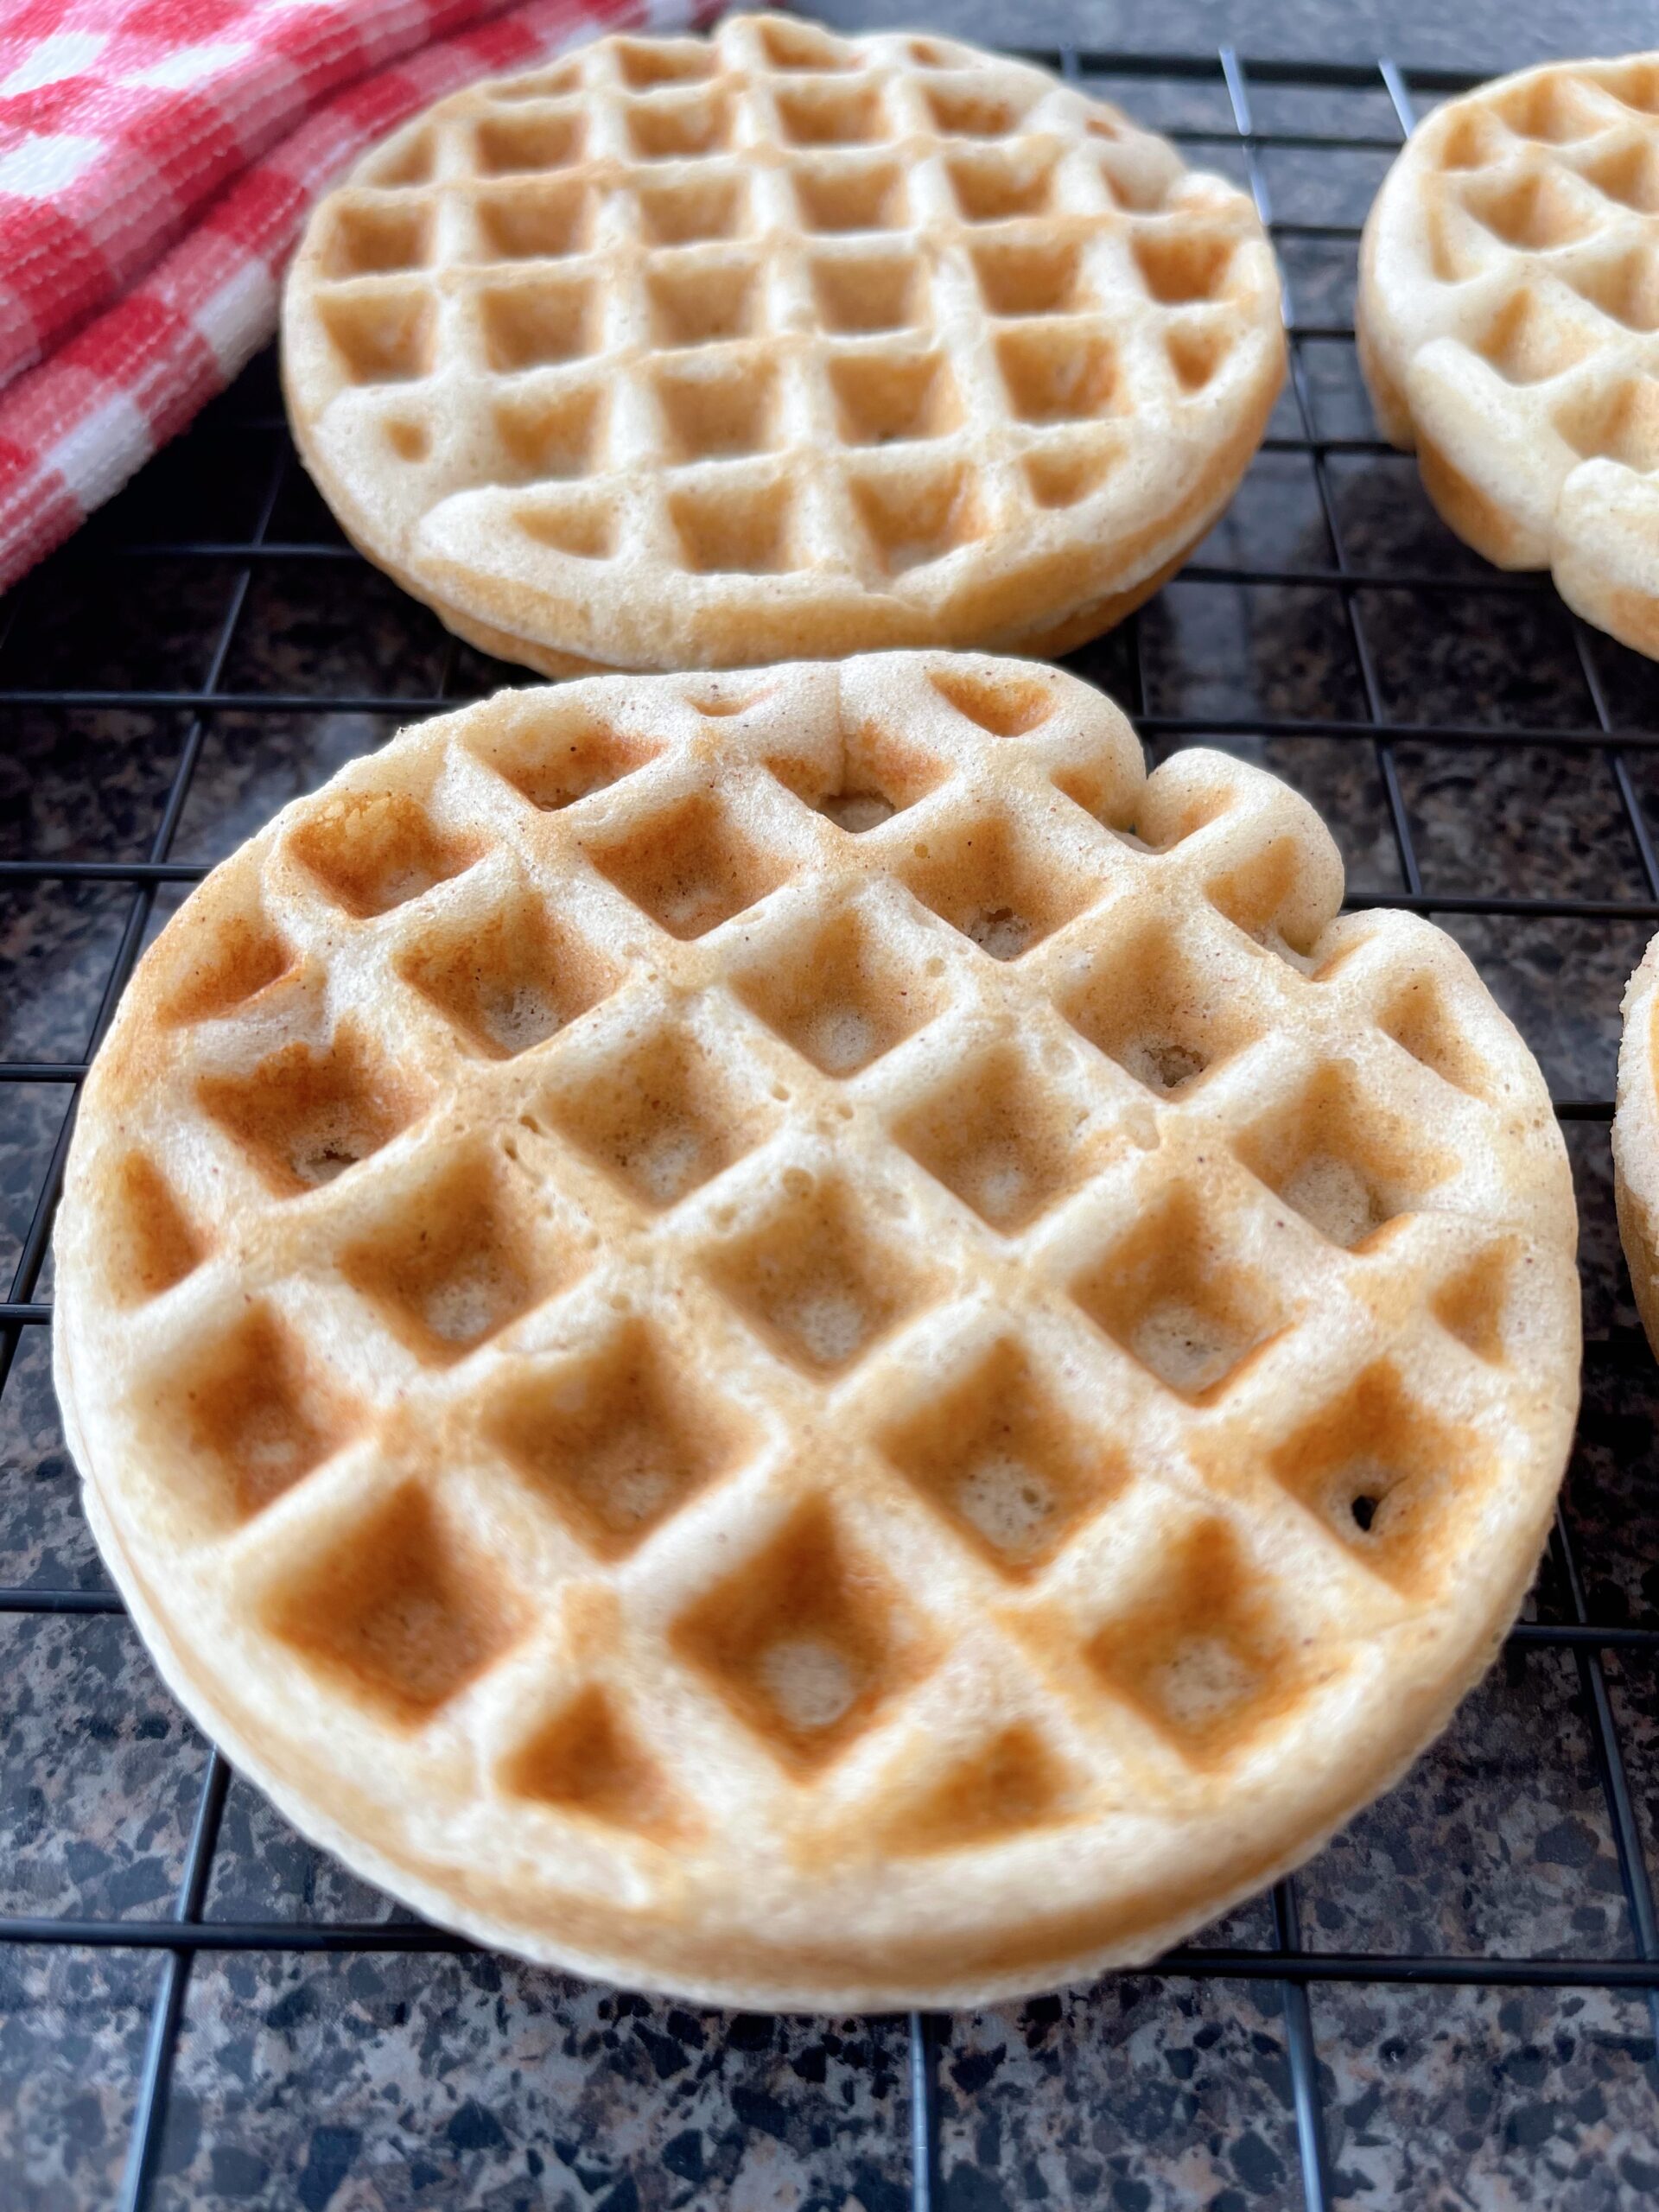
{"x":797,"y":1339}
{"x":1509,"y":302}
{"x":703,"y":353}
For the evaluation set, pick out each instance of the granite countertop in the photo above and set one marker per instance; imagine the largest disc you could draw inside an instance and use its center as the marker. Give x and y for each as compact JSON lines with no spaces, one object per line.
{"x":384,"y":2082}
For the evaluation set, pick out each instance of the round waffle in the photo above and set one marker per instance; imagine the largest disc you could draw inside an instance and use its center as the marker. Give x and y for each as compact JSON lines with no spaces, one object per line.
{"x":1636,"y":1141}
{"x":1509,"y":302}
{"x":795,"y":1339}
{"x":704,"y":354}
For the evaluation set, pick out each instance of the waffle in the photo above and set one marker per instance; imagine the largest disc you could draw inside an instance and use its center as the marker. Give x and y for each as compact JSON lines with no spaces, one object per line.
{"x":1509,"y":300}
{"x":1636,"y":1143}
{"x":704,"y":353}
{"x":795,"y":1339}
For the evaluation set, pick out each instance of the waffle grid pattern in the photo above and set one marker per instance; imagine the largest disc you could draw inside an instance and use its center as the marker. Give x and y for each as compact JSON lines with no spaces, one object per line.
{"x":1508,"y":316}
{"x":680,"y":320}
{"x":191,"y":1943}
{"x":765,"y":1191}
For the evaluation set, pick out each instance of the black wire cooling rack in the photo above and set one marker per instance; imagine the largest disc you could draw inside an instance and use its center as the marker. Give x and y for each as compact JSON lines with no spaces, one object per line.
{"x":1278,"y":128}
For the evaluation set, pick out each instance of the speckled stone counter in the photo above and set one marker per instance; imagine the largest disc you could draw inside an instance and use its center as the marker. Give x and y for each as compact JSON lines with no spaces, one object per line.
{"x":386,"y":2081}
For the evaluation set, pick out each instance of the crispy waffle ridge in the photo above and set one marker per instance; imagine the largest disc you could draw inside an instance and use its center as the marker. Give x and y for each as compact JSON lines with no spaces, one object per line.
{"x":1508,"y":326}
{"x":695,"y":352}
{"x":793,"y":1337}
{"x":1636,"y":1140}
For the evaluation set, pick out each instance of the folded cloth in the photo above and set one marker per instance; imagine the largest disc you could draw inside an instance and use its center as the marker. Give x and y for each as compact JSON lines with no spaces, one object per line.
{"x":79,"y":149}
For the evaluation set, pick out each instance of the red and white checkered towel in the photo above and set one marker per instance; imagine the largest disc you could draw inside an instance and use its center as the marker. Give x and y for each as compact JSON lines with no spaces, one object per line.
{"x":157,"y":160}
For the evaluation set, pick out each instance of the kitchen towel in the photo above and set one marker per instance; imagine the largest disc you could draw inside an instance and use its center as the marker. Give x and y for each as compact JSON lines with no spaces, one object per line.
{"x":158,"y":162}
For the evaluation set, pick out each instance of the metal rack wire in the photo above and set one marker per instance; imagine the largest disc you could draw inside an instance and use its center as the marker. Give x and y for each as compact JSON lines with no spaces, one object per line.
{"x":1290,"y":1967}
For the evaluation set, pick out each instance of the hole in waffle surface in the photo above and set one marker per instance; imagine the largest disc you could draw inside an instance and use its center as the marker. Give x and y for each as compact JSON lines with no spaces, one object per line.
{"x":564,"y":753}
{"x":879,"y":400}
{"x":1174,"y":1295}
{"x":857,"y":293}
{"x":1003,"y":706}
{"x":678,"y":127}
{"x":1342,"y":1162}
{"x":856,"y":194}
{"x":1003,"y":1140}
{"x":690,"y":868}
{"x":617,"y":1441}
{"x":1384,"y":1475}
{"x":1621,"y":424}
{"x":645,"y":62}
{"x":1630,"y":175}
{"x":920,"y":515}
{"x":1164,"y":1016}
{"x":881,"y":774}
{"x":581,"y":528}
{"x":586,"y":1760}
{"x":304,"y":1117}
{"x":1472,"y":142}
{"x":1013,"y":1782}
{"x":663,"y":1117}
{"x":404,"y":1610}
{"x":368,"y":240}
{"x":733,"y":529}
{"x":696,"y":303}
{"x":1472,"y":1305}
{"x":1029,"y":277}
{"x":1140,"y":188}
{"x":1627,"y":289}
{"x":151,"y":1243}
{"x":515,"y":144}
{"x":408,"y":440}
{"x":841,"y":997}
{"x":528,"y":325}
{"x":991,"y":880}
{"x":831,"y":115}
{"x":543,"y":439}
{"x":818,"y":1280}
{"x":693,"y":208}
{"x":714,"y":412}
{"x":1057,"y":375}
{"x":1179,"y":266}
{"x":1527,"y":343}
{"x":1414,"y":1014}
{"x":454,"y":1262}
{"x":402,"y":164}
{"x":535,"y":222}
{"x":1253,"y":894}
{"x":800,"y":46}
{"x":510,"y":982}
{"x":1552,"y":110}
{"x":373,"y":850}
{"x":259,"y":1417}
{"x":993,"y":186}
{"x":1199,"y":1655}
{"x":805,"y":1641}
{"x":382,"y":336}
{"x":1012,"y":1470}
{"x":1535,"y":212}
{"x":232,"y":964}
{"x":1059,"y":475}
{"x":969,"y":111}
{"x":1636,"y":84}
{"x":1195,"y":353}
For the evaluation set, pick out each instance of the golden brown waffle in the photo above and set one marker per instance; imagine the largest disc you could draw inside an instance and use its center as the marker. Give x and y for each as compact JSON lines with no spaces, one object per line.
{"x":689,"y":353}
{"x":792,"y":1337}
{"x":1636,"y":1141}
{"x":1509,"y":301}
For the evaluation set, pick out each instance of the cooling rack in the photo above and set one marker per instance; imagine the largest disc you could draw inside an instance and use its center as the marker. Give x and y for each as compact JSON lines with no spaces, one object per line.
{"x":1484,"y":758}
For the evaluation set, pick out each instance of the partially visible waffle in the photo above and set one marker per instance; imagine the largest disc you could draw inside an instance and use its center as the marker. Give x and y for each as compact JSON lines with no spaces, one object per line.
{"x":1636,"y":1140}
{"x":704,"y":353}
{"x":794,"y":1337}
{"x":1509,"y":307}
